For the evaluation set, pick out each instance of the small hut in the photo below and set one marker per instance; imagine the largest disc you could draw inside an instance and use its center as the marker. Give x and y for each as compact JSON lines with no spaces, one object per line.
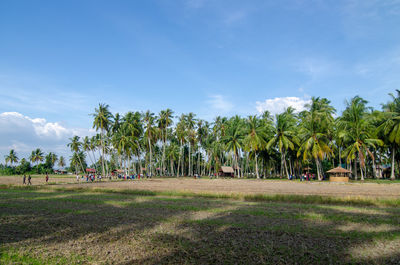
{"x":339,"y":174}
{"x":226,"y":172}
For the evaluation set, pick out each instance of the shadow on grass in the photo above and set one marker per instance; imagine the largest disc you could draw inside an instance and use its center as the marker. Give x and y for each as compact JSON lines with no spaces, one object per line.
{"x":136,"y":229}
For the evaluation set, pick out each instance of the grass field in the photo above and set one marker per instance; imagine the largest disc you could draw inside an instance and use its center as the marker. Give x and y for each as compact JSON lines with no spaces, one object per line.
{"x":74,"y":224}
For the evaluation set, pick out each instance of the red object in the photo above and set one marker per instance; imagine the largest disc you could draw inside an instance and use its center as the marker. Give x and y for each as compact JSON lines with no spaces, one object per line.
{"x":92,"y":170}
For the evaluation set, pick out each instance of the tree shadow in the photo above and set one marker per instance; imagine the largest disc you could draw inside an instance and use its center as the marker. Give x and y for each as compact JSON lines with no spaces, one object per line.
{"x":132,"y":229}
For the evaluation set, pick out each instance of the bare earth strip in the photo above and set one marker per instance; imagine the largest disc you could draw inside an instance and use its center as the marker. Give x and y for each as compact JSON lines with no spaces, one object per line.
{"x":232,"y":186}
{"x":258,"y":187}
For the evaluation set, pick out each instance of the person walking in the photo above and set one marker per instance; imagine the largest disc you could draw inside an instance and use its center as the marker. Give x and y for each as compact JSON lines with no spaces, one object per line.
{"x":24,"y":180}
{"x":29,"y":180}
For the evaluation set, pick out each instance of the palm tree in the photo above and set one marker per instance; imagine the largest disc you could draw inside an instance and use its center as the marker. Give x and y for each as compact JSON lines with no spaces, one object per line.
{"x":356,"y":125}
{"x":11,"y":157}
{"x":284,"y":136}
{"x":36,"y":156}
{"x":233,"y":140}
{"x":61,"y":162}
{"x":391,"y":126}
{"x":190,"y":122}
{"x":150,"y":134}
{"x":51,"y":159}
{"x":102,"y":121}
{"x":255,"y":139}
{"x":181,"y":133}
{"x":314,"y":128}
{"x":75,"y":146}
{"x":164,"y":121}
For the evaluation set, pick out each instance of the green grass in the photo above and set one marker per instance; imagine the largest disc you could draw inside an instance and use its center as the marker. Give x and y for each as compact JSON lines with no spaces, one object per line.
{"x":52,"y":225}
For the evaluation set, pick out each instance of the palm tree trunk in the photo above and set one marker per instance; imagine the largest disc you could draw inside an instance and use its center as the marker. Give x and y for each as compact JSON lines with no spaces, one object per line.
{"x":355,"y":169}
{"x":151,"y":156}
{"x":258,"y":176}
{"x":189,"y":161}
{"x":318,"y":170}
{"x":392,"y":176}
{"x":102,"y":156}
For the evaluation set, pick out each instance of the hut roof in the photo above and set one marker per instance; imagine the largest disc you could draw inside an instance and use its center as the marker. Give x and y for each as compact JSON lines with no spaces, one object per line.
{"x":338,"y":170}
{"x":227,"y":169}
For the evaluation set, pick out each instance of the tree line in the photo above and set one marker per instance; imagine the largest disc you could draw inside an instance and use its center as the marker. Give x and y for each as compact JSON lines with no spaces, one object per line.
{"x":362,"y":139}
{"x":14,"y":165}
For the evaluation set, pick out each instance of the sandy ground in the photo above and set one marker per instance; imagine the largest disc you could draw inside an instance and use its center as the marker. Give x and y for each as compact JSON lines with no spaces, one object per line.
{"x":233,"y":186}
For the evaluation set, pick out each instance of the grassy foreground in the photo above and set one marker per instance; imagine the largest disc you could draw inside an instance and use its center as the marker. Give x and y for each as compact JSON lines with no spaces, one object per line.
{"x":67,"y":226}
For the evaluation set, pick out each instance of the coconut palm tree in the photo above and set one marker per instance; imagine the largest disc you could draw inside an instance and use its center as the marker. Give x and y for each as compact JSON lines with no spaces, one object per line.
{"x":150,"y":135}
{"x":75,"y":146}
{"x":355,"y":123}
{"x":391,"y":126}
{"x":51,"y":158}
{"x":36,"y":157}
{"x":61,"y":162}
{"x":11,"y":157}
{"x":233,"y":140}
{"x":255,"y":138}
{"x":181,"y":134}
{"x":102,"y":121}
{"x":164,"y":122}
{"x":315,"y":123}
{"x":284,"y":136}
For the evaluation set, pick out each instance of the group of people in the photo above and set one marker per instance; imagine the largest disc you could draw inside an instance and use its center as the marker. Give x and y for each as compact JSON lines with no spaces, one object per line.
{"x":29,"y":180}
{"x":89,"y":177}
{"x":134,"y":176}
{"x":304,"y":177}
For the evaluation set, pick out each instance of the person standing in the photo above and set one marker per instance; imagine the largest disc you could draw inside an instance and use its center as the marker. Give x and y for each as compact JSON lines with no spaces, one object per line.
{"x":24,"y":180}
{"x":29,"y":180}
{"x":47,"y":178}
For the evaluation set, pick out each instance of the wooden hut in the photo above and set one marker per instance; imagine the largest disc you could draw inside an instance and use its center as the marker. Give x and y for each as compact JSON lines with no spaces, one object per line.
{"x":339,"y":174}
{"x":226,"y":172}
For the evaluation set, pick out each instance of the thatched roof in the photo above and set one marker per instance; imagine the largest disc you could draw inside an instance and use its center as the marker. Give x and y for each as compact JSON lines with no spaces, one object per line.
{"x":338,"y":170}
{"x":227,"y":169}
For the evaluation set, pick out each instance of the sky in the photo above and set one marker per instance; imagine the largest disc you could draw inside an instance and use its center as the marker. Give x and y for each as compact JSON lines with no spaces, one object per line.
{"x":60,"y":59}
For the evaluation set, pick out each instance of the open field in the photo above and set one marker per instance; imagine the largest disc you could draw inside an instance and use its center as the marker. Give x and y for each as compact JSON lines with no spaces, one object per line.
{"x":228,"y":186}
{"x":50,"y":226}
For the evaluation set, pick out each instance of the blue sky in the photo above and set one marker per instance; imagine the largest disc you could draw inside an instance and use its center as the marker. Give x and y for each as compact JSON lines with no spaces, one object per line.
{"x":59,"y":59}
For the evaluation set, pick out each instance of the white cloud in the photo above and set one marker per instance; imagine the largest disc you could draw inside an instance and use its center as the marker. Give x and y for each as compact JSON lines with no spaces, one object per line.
{"x":24,"y":134}
{"x":278,"y":105}
{"x":220,"y":103}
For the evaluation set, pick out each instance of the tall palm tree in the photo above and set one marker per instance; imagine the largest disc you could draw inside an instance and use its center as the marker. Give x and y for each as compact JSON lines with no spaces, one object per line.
{"x":11,"y":157}
{"x":233,"y":140}
{"x":75,"y":146}
{"x":150,"y":135}
{"x":164,"y":121}
{"x":51,"y":159}
{"x":315,"y":123}
{"x":181,"y":134}
{"x":102,"y":121}
{"x":61,"y":162}
{"x":36,"y":157}
{"x":255,"y":139}
{"x":357,"y":126}
{"x":284,"y":136}
{"x":391,"y":126}
{"x":190,"y":122}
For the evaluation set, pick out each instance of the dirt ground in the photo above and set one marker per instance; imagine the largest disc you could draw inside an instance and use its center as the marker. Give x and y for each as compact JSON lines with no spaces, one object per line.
{"x":231,"y":186}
